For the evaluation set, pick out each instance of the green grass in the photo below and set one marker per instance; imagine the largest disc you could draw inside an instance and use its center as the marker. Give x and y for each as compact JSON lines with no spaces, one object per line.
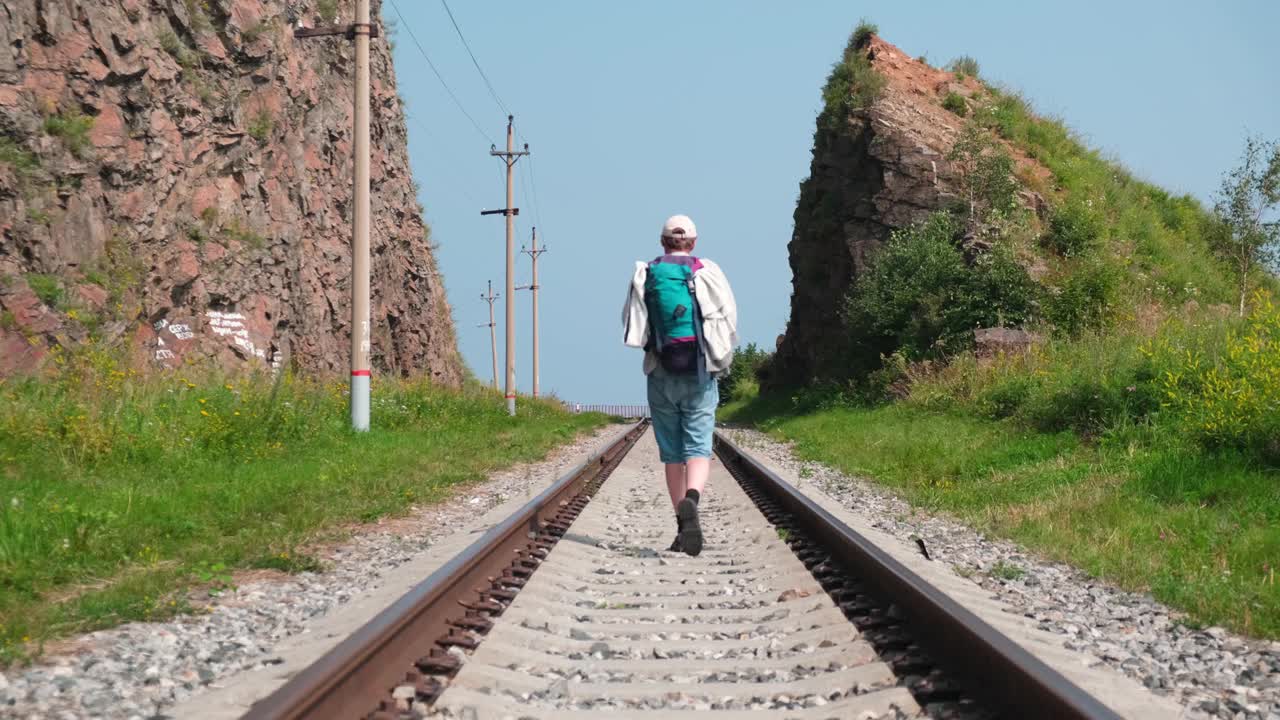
{"x":964,"y":66}
{"x":244,"y":235}
{"x":186,"y":57}
{"x":1158,"y":240}
{"x":328,"y":10}
{"x":72,"y":128}
{"x":1007,"y":571}
{"x":119,"y":493}
{"x":46,"y":287}
{"x":23,"y":161}
{"x":1200,"y":531}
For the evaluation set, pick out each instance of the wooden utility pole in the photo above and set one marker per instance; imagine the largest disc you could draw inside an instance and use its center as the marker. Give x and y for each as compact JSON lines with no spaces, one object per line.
{"x":533,"y":289}
{"x":493,"y":335}
{"x":509,"y":157}
{"x":360,"y":31}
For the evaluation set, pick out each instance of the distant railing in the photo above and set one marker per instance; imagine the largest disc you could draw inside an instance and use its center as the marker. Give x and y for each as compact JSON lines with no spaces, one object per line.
{"x":630,"y":411}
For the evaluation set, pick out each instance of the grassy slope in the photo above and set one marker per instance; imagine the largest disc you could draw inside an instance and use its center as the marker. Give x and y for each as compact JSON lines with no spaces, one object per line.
{"x":1104,"y":446}
{"x":1159,"y":242}
{"x":1200,"y":531}
{"x":120,"y":492}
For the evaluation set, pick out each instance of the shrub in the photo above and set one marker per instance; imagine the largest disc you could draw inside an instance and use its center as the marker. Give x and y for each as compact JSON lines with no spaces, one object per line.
{"x":964,"y":66}
{"x":1229,"y":397}
{"x":118,"y":270}
{"x":260,"y":125}
{"x":23,"y":161}
{"x":1005,"y":399}
{"x":244,"y":235}
{"x":862,"y":34}
{"x":251,"y":34}
{"x":1085,"y":297}
{"x":328,"y":10}
{"x":199,"y":19}
{"x":46,"y":287}
{"x":72,"y":127}
{"x":920,"y":297}
{"x":202,"y":88}
{"x":1092,"y":384}
{"x":1074,"y":228}
{"x":852,"y":84}
{"x":955,"y":102}
{"x":172,"y":44}
{"x":986,"y":173}
{"x":197,"y":235}
{"x":741,"y":382}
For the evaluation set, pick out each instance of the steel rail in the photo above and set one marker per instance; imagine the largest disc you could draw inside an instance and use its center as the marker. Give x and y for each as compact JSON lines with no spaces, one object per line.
{"x":995,"y":670}
{"x":354,"y":676}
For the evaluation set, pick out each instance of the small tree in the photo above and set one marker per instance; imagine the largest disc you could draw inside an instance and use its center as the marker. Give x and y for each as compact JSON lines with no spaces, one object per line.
{"x":1249,"y":193}
{"x":985,"y":173}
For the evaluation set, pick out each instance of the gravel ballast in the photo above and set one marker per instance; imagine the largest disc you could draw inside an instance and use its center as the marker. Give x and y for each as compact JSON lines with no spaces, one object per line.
{"x":138,"y":670}
{"x":1213,"y":673}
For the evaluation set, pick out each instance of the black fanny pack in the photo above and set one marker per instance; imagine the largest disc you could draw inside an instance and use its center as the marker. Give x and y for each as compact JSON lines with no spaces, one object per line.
{"x":679,"y":358}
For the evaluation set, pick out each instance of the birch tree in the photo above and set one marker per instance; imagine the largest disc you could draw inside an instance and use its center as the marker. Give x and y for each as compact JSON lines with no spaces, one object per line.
{"x":1246,"y":205}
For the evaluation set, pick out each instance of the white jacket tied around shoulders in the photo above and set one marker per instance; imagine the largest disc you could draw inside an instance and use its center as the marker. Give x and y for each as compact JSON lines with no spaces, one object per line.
{"x":719,"y":317}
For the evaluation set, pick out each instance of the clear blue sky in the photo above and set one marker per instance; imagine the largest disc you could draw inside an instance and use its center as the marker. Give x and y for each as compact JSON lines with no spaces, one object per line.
{"x":636,"y":111}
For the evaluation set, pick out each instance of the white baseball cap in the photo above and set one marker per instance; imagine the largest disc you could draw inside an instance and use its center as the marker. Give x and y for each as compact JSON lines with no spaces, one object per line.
{"x":679,"y":226}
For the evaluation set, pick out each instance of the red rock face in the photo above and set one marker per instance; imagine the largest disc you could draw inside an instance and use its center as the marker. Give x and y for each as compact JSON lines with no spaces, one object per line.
{"x":181,"y":173}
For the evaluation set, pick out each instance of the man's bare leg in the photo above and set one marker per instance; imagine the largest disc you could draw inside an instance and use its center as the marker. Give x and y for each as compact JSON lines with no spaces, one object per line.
{"x":675,"y":482}
{"x":682,"y":478}
{"x":695,"y":477}
{"x":697,"y":470}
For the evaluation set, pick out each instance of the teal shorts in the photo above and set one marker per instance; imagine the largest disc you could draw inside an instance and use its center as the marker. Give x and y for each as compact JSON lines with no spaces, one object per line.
{"x":684,"y":415}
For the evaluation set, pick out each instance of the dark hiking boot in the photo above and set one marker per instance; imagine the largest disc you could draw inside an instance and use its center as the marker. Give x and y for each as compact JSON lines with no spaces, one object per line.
{"x":690,"y":537}
{"x":676,"y":545}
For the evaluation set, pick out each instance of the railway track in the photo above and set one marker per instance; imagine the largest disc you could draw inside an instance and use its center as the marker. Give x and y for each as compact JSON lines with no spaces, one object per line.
{"x":572,"y":608}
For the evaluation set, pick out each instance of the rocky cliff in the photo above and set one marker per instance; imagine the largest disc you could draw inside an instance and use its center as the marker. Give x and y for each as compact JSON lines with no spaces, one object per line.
{"x":876,"y":167}
{"x":175,"y":176}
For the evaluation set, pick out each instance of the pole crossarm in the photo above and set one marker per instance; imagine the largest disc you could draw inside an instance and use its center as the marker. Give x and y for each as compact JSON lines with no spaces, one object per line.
{"x":348,"y":31}
{"x":503,"y":211}
{"x":509,"y":155}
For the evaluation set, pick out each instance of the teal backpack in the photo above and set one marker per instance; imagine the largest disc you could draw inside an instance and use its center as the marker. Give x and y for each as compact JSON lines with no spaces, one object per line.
{"x":675,"y":321}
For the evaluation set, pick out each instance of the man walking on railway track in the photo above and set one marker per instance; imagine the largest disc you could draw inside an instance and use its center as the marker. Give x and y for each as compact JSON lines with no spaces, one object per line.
{"x":681,"y":310}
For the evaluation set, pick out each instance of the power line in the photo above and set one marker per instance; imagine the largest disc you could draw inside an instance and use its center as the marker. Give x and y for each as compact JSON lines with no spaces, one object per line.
{"x":493,"y":93}
{"x":405,"y":24}
{"x":439,"y":153}
{"x":533,"y":183}
{"x":524,"y":189}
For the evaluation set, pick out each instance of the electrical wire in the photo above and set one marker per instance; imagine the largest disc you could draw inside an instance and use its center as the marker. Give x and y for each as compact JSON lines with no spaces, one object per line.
{"x":436,"y":140}
{"x":492,"y":93}
{"x":405,"y":23}
{"x":533,"y":183}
